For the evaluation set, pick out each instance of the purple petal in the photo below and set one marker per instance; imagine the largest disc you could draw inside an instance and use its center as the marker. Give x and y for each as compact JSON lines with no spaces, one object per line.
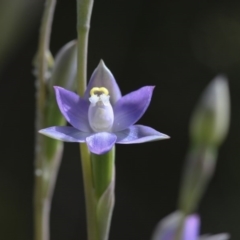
{"x":66,"y":134}
{"x":139,"y":134}
{"x":102,"y":77}
{"x":101,"y":142}
{"x":130,"y":108}
{"x":73,"y":108}
{"x":191,"y":228}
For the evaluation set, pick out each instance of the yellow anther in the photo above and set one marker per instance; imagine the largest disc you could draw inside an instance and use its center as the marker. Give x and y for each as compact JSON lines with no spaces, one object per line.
{"x":97,"y":89}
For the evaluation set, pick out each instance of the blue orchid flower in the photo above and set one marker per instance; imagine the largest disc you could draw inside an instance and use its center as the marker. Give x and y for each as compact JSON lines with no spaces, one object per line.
{"x":102,"y":117}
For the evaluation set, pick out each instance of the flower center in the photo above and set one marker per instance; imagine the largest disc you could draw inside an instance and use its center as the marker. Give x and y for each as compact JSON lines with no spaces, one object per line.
{"x":100,"y":112}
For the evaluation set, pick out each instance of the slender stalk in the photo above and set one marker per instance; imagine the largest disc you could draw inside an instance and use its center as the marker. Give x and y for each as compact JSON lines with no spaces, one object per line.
{"x":90,"y":200}
{"x":84,"y":11}
{"x":103,"y":170}
{"x":42,"y":198}
{"x":43,"y":47}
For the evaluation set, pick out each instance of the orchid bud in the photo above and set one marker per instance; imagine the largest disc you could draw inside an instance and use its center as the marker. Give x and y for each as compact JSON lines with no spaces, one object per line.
{"x":65,"y":68}
{"x":208,"y":129}
{"x":210,"y":121}
{"x":63,"y":74}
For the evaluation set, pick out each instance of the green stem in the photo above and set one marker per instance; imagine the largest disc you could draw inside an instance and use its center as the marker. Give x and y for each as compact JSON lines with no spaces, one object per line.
{"x":42,"y":201}
{"x":90,"y":199}
{"x":45,"y":179}
{"x":198,"y":171}
{"x":43,"y":47}
{"x":84,"y":11}
{"x":103,"y":171}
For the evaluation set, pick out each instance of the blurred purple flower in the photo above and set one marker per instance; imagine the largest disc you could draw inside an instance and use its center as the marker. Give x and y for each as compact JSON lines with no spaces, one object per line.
{"x":103,"y":117}
{"x":168,"y":227}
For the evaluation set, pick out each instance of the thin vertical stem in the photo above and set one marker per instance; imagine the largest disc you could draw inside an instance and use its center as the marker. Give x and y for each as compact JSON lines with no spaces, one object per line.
{"x":84,"y":11}
{"x":90,"y":200}
{"x":42,"y":201}
{"x":43,"y":47}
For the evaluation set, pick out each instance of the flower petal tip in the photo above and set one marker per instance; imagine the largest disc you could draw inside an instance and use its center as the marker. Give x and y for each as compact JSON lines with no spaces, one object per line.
{"x":101,"y":63}
{"x":160,"y":136}
{"x":41,"y":131}
{"x":57,"y":89}
{"x":148,"y":90}
{"x":152,"y":88}
{"x":165,"y":136}
{"x":44,"y":131}
{"x":103,"y":66}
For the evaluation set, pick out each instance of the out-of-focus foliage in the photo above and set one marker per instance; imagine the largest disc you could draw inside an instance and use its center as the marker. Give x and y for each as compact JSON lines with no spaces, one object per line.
{"x":17,"y":17}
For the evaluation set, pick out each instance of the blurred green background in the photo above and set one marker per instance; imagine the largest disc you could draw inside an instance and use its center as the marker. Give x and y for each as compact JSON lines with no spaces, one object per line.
{"x":177,"y":45}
